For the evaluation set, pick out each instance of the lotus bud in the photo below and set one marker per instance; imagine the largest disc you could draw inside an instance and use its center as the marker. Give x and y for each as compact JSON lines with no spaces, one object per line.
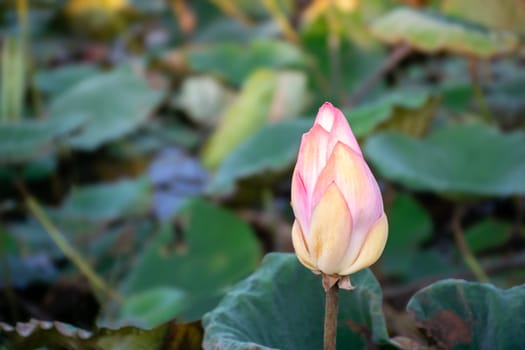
{"x":340,"y":226}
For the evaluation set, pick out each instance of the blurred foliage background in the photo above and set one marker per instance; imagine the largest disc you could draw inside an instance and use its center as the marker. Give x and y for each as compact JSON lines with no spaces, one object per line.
{"x":146,"y":148}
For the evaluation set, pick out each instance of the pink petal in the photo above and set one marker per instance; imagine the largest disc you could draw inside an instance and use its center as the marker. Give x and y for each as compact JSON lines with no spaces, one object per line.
{"x":358,"y":185}
{"x":334,"y":121}
{"x":351,"y":174}
{"x":313,"y":154}
{"x":300,"y":201}
{"x":325,"y":116}
{"x":342,"y":132}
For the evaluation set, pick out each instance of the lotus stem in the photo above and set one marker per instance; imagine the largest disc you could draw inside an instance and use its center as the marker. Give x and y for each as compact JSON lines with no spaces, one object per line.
{"x":464,"y":248}
{"x":330,"y":317}
{"x":391,"y":62}
{"x":78,"y":260}
{"x":477,"y":90}
{"x":281,"y":20}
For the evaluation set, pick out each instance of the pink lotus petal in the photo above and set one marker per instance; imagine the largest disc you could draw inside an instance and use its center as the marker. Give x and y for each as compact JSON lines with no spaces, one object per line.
{"x":352,"y":175}
{"x":325,"y":116}
{"x":313,"y":154}
{"x":334,"y":121}
{"x":340,"y":223}
{"x":300,"y":201}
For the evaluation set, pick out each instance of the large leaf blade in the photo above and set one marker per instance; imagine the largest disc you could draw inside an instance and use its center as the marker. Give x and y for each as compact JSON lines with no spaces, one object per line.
{"x":281,"y":306}
{"x":461,"y":160}
{"x":469,"y":315}
{"x":114,"y":104}
{"x":432,"y":32}
{"x":207,"y":262}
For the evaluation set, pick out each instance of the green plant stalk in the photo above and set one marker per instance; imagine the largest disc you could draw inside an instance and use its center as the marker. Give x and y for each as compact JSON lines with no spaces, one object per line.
{"x":470,"y":260}
{"x":4,"y":99}
{"x":391,"y":62}
{"x":465,"y":250}
{"x":13,"y":84}
{"x":94,"y":279}
{"x":18,"y":83}
{"x":330,"y":317}
{"x":20,"y":61}
{"x":282,"y":21}
{"x":22,"y":11}
{"x":232,"y":9}
{"x":482,"y":102}
{"x":478,"y":91}
{"x":14,"y":68}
